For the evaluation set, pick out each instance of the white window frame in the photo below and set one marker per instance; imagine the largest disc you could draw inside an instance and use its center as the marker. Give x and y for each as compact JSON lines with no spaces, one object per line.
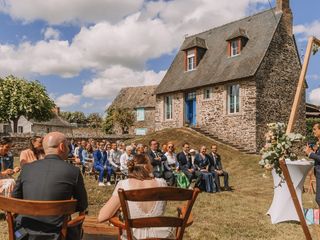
{"x":168,"y":102}
{"x":140,"y":114}
{"x":233,"y":99}
{"x":191,"y":60}
{"x":141,"y":131}
{"x":234,"y":45}
{"x":205,"y":91}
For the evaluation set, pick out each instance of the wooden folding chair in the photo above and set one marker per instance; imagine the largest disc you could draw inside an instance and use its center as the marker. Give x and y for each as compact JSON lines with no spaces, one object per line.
{"x":156,"y":194}
{"x":13,"y":206}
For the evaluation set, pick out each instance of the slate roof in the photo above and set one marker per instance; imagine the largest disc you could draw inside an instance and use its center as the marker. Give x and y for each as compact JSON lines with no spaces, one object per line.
{"x":216,"y":66}
{"x":135,"y":97}
{"x":55,"y":121}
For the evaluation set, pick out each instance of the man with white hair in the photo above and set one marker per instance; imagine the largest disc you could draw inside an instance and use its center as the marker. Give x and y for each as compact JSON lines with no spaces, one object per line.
{"x":124,"y":159}
{"x":50,"y":179}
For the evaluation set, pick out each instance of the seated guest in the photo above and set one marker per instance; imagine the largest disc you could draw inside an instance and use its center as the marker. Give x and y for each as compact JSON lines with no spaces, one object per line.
{"x":124,"y":159}
{"x":33,"y":153}
{"x":82,"y":147}
{"x":50,"y":179}
{"x":87,"y":156}
{"x":100,"y":165}
{"x":216,"y":167}
{"x":157,"y":159}
{"x":202,"y":163}
{"x":114,"y":157}
{"x":185,"y":164}
{"x":139,"y":177}
{"x":140,"y":149}
{"x":181,"y":179}
{"x":6,"y":160}
{"x":6,"y":181}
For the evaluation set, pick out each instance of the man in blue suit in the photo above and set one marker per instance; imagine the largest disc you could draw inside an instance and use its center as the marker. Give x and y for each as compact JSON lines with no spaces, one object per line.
{"x":313,"y":152}
{"x":101,"y":164}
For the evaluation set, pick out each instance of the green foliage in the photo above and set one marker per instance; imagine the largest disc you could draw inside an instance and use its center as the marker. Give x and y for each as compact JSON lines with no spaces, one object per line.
{"x":108,"y":123}
{"x":94,"y":120}
{"x":310,"y":122}
{"x":122,"y":117}
{"x":19,"y":97}
{"x":66,"y":115}
{"x":74,"y":117}
{"x":278,"y":146}
{"x":315,"y":48}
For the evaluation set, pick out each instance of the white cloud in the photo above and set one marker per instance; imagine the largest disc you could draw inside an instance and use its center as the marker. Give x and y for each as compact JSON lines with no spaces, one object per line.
{"x":314,"y":96}
{"x":51,"y":33}
{"x":313,"y":77}
{"x":67,"y":100}
{"x":155,"y":30}
{"x":307,"y":30}
{"x":87,"y":105}
{"x":109,"y":82}
{"x":74,"y":11}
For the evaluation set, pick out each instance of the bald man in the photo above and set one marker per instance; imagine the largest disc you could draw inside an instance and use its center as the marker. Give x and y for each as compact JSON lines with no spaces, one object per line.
{"x":50,"y":179}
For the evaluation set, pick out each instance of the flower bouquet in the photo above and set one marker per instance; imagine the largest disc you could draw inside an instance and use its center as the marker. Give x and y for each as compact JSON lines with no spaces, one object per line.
{"x":278,"y":147}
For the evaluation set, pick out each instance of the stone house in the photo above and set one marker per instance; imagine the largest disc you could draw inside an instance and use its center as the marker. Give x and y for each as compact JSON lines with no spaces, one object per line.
{"x":31,"y":126}
{"x":234,"y":79}
{"x":312,"y":111}
{"x":141,"y":100}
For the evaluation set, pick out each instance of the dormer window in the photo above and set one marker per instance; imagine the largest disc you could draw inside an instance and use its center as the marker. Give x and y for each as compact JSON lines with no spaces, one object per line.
{"x":236,"y":42}
{"x":194,"y":49}
{"x":235,"y":47}
{"x":191,"y":60}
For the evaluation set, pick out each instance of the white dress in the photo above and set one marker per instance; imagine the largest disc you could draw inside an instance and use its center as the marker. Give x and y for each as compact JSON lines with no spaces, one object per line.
{"x":136,"y":212}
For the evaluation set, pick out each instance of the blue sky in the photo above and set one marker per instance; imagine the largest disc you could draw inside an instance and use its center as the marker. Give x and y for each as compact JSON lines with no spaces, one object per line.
{"x":84,"y":52}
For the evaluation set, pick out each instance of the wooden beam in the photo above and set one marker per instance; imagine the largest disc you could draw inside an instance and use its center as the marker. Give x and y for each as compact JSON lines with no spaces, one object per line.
{"x":295,"y":200}
{"x":300,"y":88}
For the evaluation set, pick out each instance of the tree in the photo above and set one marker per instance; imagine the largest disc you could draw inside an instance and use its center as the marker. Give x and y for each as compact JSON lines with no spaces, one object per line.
{"x":78,"y":117}
{"x":108,"y":123}
{"x":94,"y":120}
{"x":124,"y":117}
{"x":66,"y":115}
{"x":19,"y":97}
{"x":118,"y":117}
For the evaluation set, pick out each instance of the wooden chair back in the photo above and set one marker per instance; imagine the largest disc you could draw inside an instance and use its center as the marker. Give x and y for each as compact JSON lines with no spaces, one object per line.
{"x":14,"y":206}
{"x":157,"y":194}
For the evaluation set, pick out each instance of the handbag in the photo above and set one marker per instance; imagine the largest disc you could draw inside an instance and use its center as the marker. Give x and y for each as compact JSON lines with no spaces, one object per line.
{"x":312,"y":216}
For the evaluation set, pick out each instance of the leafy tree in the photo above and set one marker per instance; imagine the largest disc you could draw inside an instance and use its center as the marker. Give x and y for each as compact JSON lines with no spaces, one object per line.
{"x":78,"y":117}
{"x":108,"y":123}
{"x":118,"y":117}
{"x":94,"y":120}
{"x":66,"y":115}
{"x":19,"y":97}
{"x":124,"y":117}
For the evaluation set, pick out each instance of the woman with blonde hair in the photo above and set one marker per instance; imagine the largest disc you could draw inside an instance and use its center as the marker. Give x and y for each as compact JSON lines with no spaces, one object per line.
{"x":139,"y":177}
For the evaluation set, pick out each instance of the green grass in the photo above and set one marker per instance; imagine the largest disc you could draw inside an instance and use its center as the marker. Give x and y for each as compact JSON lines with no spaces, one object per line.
{"x":240,"y":214}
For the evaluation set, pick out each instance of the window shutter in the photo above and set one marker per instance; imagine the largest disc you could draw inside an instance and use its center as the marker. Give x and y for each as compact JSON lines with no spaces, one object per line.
{"x":229,"y":49}
{"x":239,"y":46}
{"x":185,"y":60}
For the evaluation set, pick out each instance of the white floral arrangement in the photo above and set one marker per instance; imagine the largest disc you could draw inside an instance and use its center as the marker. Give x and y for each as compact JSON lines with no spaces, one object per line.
{"x":278,"y":146}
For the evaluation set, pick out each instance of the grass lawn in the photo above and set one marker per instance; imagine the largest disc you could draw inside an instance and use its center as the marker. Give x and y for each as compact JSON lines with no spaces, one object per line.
{"x":240,"y":214}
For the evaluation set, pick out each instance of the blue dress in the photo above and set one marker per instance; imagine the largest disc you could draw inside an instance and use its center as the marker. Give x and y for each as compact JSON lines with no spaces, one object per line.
{"x":202,"y":163}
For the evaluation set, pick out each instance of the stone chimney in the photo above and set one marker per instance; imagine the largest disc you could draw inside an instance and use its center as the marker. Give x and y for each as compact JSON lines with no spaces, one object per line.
{"x":56,"y":110}
{"x":284,"y":7}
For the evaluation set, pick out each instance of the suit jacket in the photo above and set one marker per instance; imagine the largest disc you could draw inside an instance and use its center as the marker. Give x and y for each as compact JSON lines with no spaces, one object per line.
{"x":200,"y":163}
{"x":215,"y":162}
{"x":100,"y":160}
{"x":50,"y":179}
{"x":316,"y":157}
{"x":184,"y":161}
{"x":156,"y":163}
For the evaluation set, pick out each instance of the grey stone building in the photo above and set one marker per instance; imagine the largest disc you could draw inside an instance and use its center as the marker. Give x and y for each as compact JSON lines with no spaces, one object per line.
{"x":31,"y":126}
{"x":234,"y":79}
{"x":142,"y":101}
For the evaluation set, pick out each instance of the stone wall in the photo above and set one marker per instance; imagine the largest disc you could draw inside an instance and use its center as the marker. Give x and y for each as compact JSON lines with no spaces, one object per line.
{"x":177,"y":109}
{"x":237,"y":128}
{"x":43,"y":129}
{"x":277,"y":81}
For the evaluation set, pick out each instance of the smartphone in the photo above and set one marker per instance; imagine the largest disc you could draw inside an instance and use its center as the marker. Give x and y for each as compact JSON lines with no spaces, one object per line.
{"x":20,"y":234}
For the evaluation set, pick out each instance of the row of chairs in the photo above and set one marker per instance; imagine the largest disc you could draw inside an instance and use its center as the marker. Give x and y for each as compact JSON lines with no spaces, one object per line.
{"x":13,"y":206}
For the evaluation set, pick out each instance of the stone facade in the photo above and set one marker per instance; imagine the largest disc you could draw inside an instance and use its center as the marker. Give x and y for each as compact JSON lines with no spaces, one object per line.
{"x":177,"y":110}
{"x":265,"y":97}
{"x":277,"y":81}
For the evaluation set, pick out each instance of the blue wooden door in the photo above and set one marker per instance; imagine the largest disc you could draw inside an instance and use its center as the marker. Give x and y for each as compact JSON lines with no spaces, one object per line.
{"x":191,"y":108}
